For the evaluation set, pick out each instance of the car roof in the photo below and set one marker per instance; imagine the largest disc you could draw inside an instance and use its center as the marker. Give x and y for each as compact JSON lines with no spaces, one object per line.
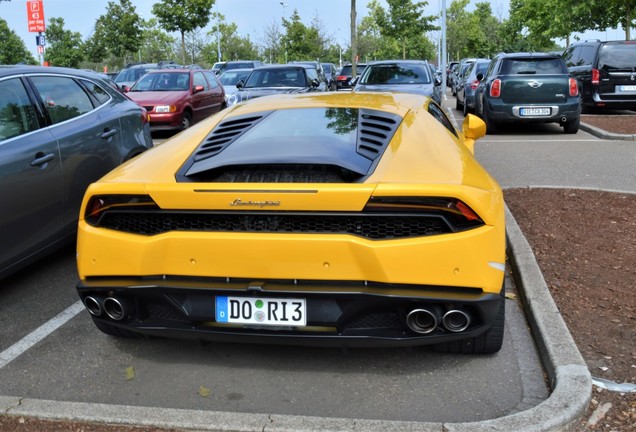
{"x":287,"y":66}
{"x":528,"y":55}
{"x":6,"y":70}
{"x":173,"y":70}
{"x":377,"y":62}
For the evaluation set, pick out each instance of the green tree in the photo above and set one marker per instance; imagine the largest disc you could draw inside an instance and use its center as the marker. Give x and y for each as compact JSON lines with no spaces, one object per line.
{"x":156,"y":45}
{"x":233,"y":45}
{"x":183,"y":16}
{"x":117,"y":32}
{"x":12,"y":48}
{"x":403,"y":21}
{"x":65,"y":47}
{"x":273,"y":49}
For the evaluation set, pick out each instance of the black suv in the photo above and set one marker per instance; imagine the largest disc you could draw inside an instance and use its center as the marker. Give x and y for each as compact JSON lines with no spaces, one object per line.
{"x":343,"y":81}
{"x":605,"y":71}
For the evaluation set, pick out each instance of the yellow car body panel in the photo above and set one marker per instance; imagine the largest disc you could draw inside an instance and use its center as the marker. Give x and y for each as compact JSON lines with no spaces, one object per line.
{"x":423,"y":159}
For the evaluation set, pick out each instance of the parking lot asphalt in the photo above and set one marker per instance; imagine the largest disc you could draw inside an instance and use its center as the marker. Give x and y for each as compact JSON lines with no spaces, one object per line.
{"x":566,"y":370}
{"x":567,"y":373}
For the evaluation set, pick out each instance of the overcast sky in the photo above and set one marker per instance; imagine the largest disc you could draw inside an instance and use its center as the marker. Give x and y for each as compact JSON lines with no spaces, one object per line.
{"x":251,"y":16}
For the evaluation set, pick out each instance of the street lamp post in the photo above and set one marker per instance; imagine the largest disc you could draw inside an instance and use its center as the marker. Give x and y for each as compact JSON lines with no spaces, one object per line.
{"x":218,"y":36}
{"x":284,"y":5}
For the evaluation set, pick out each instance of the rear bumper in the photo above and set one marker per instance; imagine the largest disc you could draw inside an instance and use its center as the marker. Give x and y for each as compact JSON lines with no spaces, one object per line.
{"x":612,"y":101}
{"x":501,"y":111}
{"x":338,"y":314}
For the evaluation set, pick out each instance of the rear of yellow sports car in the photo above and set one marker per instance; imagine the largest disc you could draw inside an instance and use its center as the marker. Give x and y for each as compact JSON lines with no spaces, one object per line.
{"x":352,"y":220}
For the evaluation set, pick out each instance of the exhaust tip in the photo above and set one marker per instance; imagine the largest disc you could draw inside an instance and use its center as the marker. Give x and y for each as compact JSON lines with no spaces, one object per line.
{"x":93,"y":305}
{"x":421,"y":321}
{"x":456,"y":320}
{"x":115,"y":308}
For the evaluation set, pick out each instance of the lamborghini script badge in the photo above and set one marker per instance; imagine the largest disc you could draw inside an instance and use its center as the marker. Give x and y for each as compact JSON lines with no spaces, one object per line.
{"x":239,"y":203}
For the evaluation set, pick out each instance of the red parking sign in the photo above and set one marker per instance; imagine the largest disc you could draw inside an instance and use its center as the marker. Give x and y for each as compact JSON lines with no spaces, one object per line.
{"x":35,"y":16}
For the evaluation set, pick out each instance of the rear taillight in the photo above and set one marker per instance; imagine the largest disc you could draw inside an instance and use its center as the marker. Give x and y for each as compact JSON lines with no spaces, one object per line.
{"x":495,"y":88}
{"x":457,"y":212}
{"x":474,"y":84}
{"x":100,"y":204}
{"x":596,"y":77}
{"x":574,"y":87}
{"x":342,"y":78}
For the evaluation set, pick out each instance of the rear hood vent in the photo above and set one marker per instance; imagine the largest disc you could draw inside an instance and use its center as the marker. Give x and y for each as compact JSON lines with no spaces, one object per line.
{"x":301,"y":145}
{"x":225,"y":134}
{"x":374,"y":135}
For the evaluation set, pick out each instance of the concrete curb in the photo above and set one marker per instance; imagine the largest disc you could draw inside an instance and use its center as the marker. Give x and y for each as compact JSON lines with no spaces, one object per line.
{"x":606,"y":135}
{"x":567,"y":372}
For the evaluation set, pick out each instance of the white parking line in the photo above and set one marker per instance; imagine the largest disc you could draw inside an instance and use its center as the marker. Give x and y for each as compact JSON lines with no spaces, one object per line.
{"x":18,"y":348}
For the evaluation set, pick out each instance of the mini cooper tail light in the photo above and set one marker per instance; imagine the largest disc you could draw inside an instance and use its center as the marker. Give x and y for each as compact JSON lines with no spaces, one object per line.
{"x":100,"y":204}
{"x":474,"y":84}
{"x":574,"y":87}
{"x":596,"y":77}
{"x":495,"y":88}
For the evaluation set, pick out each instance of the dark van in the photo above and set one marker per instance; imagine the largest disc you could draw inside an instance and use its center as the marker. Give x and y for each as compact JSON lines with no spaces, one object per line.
{"x":606,"y":73}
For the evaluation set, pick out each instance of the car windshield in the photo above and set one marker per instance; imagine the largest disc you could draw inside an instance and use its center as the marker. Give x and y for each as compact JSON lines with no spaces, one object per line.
{"x":279,"y":77}
{"x":165,"y":81}
{"x":618,"y":57}
{"x":231,"y":77}
{"x":396,"y":74}
{"x":534,"y":66}
{"x":131,"y":74}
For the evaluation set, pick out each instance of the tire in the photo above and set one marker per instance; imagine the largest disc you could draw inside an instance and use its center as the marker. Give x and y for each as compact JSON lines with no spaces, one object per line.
{"x":489,"y":342}
{"x":491,"y":126}
{"x":465,"y":108}
{"x":116,"y":331}
{"x":186,"y":120}
{"x":572,"y":127}
{"x":458,"y":106}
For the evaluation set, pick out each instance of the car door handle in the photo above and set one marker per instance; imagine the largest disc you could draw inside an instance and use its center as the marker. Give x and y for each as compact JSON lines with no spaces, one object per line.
{"x":108,"y":133}
{"x":41,"y":159}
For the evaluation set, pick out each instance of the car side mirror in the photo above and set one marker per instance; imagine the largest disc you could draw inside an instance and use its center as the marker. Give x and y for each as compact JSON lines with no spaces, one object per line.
{"x":354,"y":81}
{"x":125,"y":89}
{"x":240,"y":84}
{"x":438,"y":81}
{"x":315,"y":83}
{"x":198,"y":89}
{"x":473,"y":128}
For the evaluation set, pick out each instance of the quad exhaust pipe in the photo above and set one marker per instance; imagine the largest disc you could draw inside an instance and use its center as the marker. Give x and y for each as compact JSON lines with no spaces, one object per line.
{"x":456,"y":321}
{"x":115,"y":308}
{"x":94,"y":305}
{"x":425,"y":320}
{"x":422,"y":321}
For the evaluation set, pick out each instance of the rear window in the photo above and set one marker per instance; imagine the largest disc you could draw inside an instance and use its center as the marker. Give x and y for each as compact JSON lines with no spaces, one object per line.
{"x":396,"y":74}
{"x":617,"y":57}
{"x":533,"y":66}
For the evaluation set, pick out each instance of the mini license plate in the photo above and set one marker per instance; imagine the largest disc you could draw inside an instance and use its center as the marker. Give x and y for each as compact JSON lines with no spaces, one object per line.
{"x":534,"y":111}
{"x":627,"y":88}
{"x":262,"y":311}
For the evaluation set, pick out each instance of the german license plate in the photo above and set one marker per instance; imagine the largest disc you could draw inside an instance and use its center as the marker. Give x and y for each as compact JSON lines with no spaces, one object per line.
{"x":534,"y":111}
{"x":262,"y":311}
{"x":627,"y":88}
